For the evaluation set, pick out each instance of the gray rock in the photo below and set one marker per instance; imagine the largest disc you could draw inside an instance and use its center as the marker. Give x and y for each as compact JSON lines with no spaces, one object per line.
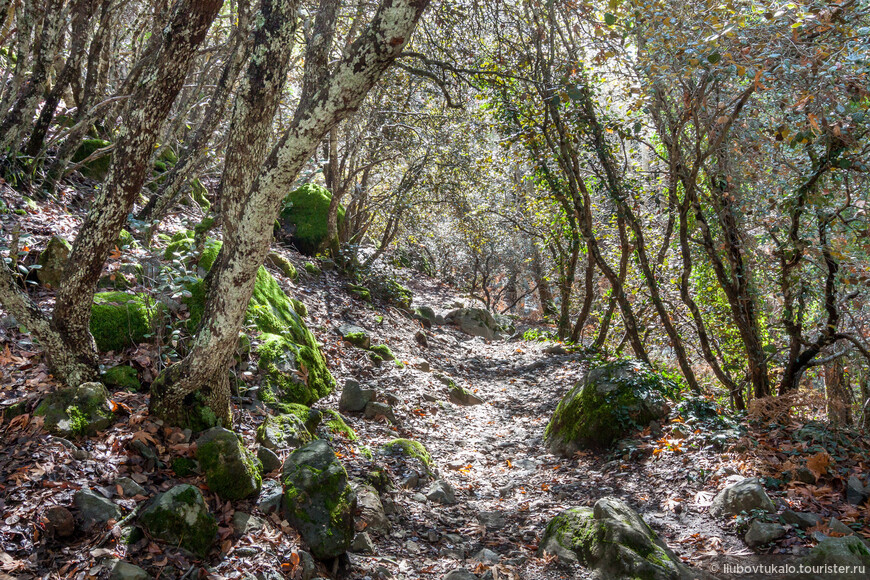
{"x":846,"y":551}
{"x":421,"y":365}
{"x":486,"y":556}
{"x":318,"y":500}
{"x":856,"y":494}
{"x":761,"y":533}
{"x":370,"y":509}
{"x":354,"y":398}
{"x":88,"y":402}
{"x":474,"y":322}
{"x":230,"y":469}
{"x":130,"y":487}
{"x":492,"y":520}
{"x":286,"y":431}
{"x":269,"y":459}
{"x":441,"y":492}
{"x":375,"y":409}
{"x":270,"y":497}
{"x":839,"y":527}
{"x":362,"y":544}
{"x":743,"y":496}
{"x":802,"y":520}
{"x":421,"y":338}
{"x":52,"y":260}
{"x":459,"y":574}
{"x":180,"y":517}
{"x":804,"y":475}
{"x":356,"y":335}
{"x":309,"y":566}
{"x":94,"y":509}
{"x":124,"y":571}
{"x":244,"y":523}
{"x":613,"y":540}
{"x":460,"y":396}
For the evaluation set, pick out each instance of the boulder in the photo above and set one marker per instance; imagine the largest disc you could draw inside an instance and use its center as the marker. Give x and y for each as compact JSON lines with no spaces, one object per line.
{"x":761,"y":533}
{"x":303,"y":220}
{"x":76,"y":411}
{"x":269,"y":460}
{"x":180,"y":517}
{"x":245,"y":523}
{"x":122,"y":378}
{"x":129,"y":487}
{"x":362,"y":544}
{"x":614,"y":541}
{"x":125,"y":571}
{"x":802,"y":520}
{"x":52,"y":261}
{"x":94,"y":509}
{"x":355,"y":398}
{"x":441,"y":492}
{"x":59,"y":522}
{"x":369,"y":508}
{"x":408,"y":449}
{"x":856,"y":493}
{"x":270,"y":497}
{"x":375,"y":409}
{"x":119,"y":320}
{"x":286,"y":431}
{"x":459,"y":574}
{"x":230,"y":470}
{"x":355,"y":335}
{"x":460,"y":396}
{"x":613,"y":400}
{"x":474,"y":321}
{"x":743,"y":496}
{"x":318,"y":500}
{"x":848,"y":551}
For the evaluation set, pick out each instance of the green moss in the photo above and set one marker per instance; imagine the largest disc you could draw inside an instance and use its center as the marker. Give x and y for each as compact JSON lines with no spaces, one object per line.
{"x":126,"y":240}
{"x":312,"y":268}
{"x":408,"y":448}
{"x":383,"y":351}
{"x":286,"y":430}
{"x":360,"y":292}
{"x":180,"y":517}
{"x":199,"y":415}
{"x":304,"y":217}
{"x":335,"y":423}
{"x":231,"y":470}
{"x":119,"y":320}
{"x":97,"y":169}
{"x":376,"y":358}
{"x":183,"y":466}
{"x":283,"y":265}
{"x":356,"y":338}
{"x":200,"y":194}
{"x":76,"y":411}
{"x":122,"y":377}
{"x":299,"y":307}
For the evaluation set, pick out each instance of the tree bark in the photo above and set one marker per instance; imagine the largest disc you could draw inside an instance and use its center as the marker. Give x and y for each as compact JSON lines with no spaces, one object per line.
{"x":838,"y":395}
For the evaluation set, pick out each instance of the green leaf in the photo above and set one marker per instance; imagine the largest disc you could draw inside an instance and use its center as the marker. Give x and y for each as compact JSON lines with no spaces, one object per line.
{"x":609,"y":19}
{"x":714,"y":57}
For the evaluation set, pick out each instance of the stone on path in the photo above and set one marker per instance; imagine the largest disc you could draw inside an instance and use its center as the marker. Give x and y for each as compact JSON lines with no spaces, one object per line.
{"x":441,"y":492}
{"x":94,"y":509}
{"x":761,"y":533}
{"x":180,"y":517}
{"x":355,"y":398}
{"x":743,"y":496}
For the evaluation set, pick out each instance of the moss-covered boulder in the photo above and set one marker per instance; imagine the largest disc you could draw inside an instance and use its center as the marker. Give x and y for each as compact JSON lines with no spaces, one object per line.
{"x":383,"y":351}
{"x":318,"y":500}
{"x":411,"y":453}
{"x":355,"y":335}
{"x":335,"y":424}
{"x":230,"y":470}
{"x":52,"y":261}
{"x":180,"y":517}
{"x":303,"y":219}
{"x":282,"y":264}
{"x":122,"y":378}
{"x":614,"y":541}
{"x":849,"y":554}
{"x":76,"y":411}
{"x":119,"y":320}
{"x":475,"y":322}
{"x":613,"y":399}
{"x":286,"y":431}
{"x":98,"y":168}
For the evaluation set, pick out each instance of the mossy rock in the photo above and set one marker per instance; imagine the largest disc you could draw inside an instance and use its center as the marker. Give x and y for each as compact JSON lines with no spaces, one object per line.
{"x":126,"y":240}
{"x":408,"y":448}
{"x":230,"y":470}
{"x":383,"y":351}
{"x":850,"y":552}
{"x":360,"y":292}
{"x":98,"y":168}
{"x":355,"y":335}
{"x":336,"y":425}
{"x":122,"y":378}
{"x":200,"y":194}
{"x":613,"y":400}
{"x":299,"y":307}
{"x":286,"y":431}
{"x":390,"y":291}
{"x":614,"y":541}
{"x":282,"y":264}
{"x":184,"y":466}
{"x":125,"y":277}
{"x":286,"y":377}
{"x":313,"y":269}
{"x":318,"y":501}
{"x":119,"y":320}
{"x":52,"y":261}
{"x":180,"y":517}
{"x":76,"y":411}
{"x":303,"y":219}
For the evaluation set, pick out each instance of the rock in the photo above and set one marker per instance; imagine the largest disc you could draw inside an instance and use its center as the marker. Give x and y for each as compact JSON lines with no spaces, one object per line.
{"x":761,"y":533}
{"x":486,"y":556}
{"x":309,"y":566}
{"x":302,"y":222}
{"x":421,"y":338}
{"x":285,"y":431}
{"x":362,"y":544}
{"x":492,"y":520}
{"x":244,"y":523}
{"x":613,"y":540}
{"x":122,"y":378}
{"x":848,"y":551}
{"x":474,"y":322}
{"x":804,"y":475}
{"x":613,"y":400}
{"x":554,"y":349}
{"x":856,"y":494}
{"x":268,"y":459}
{"x":800,"y":519}
{"x":270,"y":497}
{"x":318,"y":501}
{"x":125,"y":571}
{"x":180,"y":517}
{"x":424,"y":313}
{"x":459,"y":574}
{"x":94,"y":509}
{"x":376,"y":409}
{"x":59,"y":521}
{"x":283,"y":265}
{"x":129,"y":487}
{"x":355,"y":335}
{"x":230,"y":470}
{"x":743,"y":496}
{"x":409,"y":449}
{"x":441,"y":492}
{"x":119,"y":320}
{"x":354,"y":398}
{"x":76,"y":411}
{"x":460,"y":396}
{"x":370,"y":509}
{"x":52,"y":261}
{"x":838,"y":527}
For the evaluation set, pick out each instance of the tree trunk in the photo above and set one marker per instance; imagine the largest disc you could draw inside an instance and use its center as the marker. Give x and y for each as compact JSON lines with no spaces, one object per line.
{"x":838,"y":395}
{"x":545,"y":296}
{"x":234,"y":275}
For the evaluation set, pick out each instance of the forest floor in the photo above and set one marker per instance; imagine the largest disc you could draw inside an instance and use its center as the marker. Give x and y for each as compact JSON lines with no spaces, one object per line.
{"x":508,"y":486}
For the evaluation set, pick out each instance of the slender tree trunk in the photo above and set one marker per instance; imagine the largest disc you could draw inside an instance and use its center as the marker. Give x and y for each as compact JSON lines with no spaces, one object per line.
{"x":234,"y":276}
{"x":588,"y":298}
{"x":545,"y":296}
{"x":838,"y":395}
